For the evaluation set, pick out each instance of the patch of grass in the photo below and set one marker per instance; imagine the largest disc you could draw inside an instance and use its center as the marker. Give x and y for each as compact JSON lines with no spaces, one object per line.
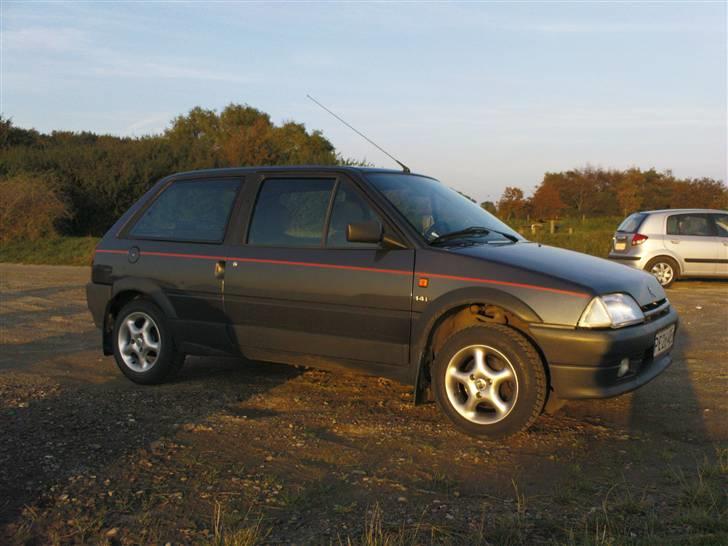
{"x":629,"y":516}
{"x":244,"y":532}
{"x":591,"y":235}
{"x":55,"y":251}
{"x":703,"y":498}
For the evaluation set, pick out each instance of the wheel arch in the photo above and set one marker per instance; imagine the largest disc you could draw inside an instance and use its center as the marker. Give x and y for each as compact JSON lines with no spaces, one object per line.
{"x":125,"y":290}
{"x":459,"y":309}
{"x":664,"y":253}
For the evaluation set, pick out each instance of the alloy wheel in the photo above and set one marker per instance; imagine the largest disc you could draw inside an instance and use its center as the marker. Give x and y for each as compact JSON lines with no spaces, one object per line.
{"x":139,"y":341}
{"x":663,"y":272}
{"x":481,"y":384}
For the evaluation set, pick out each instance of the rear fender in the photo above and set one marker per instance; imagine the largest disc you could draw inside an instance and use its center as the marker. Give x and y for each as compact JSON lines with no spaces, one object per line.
{"x":131,"y":285}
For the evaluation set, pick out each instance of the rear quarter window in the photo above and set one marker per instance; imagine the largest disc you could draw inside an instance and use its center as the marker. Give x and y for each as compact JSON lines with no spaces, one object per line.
{"x":189,"y":210}
{"x":632,"y":223}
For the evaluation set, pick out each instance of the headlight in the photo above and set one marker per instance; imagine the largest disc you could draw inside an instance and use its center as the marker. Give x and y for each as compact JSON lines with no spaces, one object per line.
{"x":611,"y":311}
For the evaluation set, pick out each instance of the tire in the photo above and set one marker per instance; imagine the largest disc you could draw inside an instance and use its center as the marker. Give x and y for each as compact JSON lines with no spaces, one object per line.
{"x":143,"y":346}
{"x":664,"y":269}
{"x":489,"y":381}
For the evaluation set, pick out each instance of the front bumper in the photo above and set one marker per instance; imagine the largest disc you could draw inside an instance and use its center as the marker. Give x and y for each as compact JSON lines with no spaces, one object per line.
{"x":97,"y":297}
{"x":584,"y":363}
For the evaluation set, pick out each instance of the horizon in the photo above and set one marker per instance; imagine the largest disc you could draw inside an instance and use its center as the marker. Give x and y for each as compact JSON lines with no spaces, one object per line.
{"x":558,"y":86}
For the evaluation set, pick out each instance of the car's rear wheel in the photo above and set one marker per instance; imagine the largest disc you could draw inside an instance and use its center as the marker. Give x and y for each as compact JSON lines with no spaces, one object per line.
{"x":489,"y":381}
{"x":664,"y":269}
{"x":143,"y":347}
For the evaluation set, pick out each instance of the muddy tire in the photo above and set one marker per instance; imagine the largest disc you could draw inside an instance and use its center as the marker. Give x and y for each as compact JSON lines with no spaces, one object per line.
{"x":143,"y":346}
{"x":489,"y":381}
{"x":664,"y":269}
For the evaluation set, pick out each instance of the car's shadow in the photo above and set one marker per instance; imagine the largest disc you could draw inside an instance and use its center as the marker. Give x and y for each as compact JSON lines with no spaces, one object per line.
{"x":87,"y":426}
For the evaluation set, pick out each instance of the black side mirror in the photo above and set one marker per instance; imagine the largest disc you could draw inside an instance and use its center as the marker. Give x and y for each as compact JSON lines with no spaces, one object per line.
{"x":364,"y":232}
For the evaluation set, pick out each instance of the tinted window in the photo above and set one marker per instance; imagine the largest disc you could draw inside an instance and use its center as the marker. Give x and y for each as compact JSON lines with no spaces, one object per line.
{"x":349,"y":208}
{"x":689,"y":224}
{"x":632,"y":223}
{"x":721,"y":224}
{"x":291,"y":212}
{"x":189,"y":211}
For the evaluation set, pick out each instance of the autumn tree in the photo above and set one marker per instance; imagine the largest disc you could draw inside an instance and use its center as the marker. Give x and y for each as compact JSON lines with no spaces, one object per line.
{"x":630,"y":191}
{"x":512,"y":203}
{"x":546,"y":202}
{"x":489,"y":206}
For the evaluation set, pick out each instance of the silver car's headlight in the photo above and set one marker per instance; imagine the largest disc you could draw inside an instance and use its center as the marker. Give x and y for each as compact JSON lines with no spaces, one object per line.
{"x":611,"y":311}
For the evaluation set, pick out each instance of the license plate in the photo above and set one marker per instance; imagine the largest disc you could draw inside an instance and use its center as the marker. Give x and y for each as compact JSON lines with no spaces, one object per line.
{"x":620,"y":245}
{"x":664,"y":340}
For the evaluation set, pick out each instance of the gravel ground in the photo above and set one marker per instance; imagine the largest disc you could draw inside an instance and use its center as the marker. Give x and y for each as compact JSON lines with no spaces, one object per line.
{"x":238,"y":452}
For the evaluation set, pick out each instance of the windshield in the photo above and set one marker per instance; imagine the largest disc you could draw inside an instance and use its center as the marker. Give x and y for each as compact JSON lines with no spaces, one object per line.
{"x":435,"y":210}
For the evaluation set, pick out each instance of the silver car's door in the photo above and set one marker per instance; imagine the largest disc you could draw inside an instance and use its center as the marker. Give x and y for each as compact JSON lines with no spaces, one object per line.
{"x":721,"y":227}
{"x":692,"y":237}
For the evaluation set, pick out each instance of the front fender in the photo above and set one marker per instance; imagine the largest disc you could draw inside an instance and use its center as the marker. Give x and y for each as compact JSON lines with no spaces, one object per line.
{"x":423,"y":325}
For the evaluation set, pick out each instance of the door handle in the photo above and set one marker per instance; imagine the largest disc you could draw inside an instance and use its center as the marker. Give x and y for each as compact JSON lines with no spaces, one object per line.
{"x":220,"y":270}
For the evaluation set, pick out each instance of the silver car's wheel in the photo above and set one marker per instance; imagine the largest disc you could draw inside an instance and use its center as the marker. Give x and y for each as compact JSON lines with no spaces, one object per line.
{"x":139,"y":341}
{"x":481,"y":384}
{"x":663,"y":272}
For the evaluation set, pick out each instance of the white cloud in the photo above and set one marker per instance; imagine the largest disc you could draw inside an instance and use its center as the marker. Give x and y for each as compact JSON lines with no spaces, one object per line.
{"x":45,"y":39}
{"x":149,"y":124}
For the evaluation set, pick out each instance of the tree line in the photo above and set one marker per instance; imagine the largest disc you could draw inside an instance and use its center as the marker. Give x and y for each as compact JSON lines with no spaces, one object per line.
{"x":607,"y":192}
{"x":79,"y":183}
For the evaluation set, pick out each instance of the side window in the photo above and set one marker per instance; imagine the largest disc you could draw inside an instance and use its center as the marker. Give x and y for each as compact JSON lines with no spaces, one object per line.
{"x":689,"y":224}
{"x":349,"y":207}
{"x":721,"y":224}
{"x":290,"y":212}
{"x":189,"y":210}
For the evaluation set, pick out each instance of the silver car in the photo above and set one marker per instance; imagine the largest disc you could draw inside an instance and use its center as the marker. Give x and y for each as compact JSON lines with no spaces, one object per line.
{"x":674,"y":243}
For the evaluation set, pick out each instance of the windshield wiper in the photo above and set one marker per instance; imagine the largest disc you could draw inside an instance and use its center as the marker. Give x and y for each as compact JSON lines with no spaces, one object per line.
{"x":508,"y":236}
{"x":472,"y":230}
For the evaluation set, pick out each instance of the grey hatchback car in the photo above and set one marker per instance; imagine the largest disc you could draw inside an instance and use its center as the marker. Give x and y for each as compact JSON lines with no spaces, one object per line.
{"x":674,"y":243}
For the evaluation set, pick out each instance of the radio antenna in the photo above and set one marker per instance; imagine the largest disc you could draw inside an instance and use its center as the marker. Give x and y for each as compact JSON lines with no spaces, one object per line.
{"x":405,"y":168}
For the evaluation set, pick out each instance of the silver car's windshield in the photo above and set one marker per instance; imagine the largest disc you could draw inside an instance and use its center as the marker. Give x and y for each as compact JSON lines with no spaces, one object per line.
{"x":437,"y":211}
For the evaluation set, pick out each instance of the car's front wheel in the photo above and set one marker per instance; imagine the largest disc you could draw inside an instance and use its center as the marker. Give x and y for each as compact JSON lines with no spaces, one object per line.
{"x":143,"y":345}
{"x":489,"y":381}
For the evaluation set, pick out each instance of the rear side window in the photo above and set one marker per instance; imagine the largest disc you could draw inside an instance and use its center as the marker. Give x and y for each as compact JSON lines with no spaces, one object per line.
{"x":721,"y":224}
{"x":291,"y":212}
{"x":349,"y":208}
{"x":689,"y":224}
{"x":189,"y":210}
{"x":632,"y":223}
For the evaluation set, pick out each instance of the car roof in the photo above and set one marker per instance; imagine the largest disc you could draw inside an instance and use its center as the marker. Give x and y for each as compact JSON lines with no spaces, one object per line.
{"x":673,"y":211}
{"x":232,"y":171}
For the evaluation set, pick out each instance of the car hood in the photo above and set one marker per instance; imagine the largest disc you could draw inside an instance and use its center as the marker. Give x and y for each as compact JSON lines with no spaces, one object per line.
{"x":588,"y":273}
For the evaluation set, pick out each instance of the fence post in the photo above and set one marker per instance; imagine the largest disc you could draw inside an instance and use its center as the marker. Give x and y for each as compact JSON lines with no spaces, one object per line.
{"x":552,"y":226}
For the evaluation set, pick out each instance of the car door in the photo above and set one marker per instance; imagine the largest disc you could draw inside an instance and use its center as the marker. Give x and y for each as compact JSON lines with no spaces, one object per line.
{"x":692,"y":237}
{"x":721,"y":228}
{"x":174,"y":245}
{"x":299,"y":287}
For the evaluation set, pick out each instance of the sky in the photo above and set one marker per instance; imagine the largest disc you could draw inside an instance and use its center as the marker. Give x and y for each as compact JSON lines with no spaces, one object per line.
{"x":480,"y":95}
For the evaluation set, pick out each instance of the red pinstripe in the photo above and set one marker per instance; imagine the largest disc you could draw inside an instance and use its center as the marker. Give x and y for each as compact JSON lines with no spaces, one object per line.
{"x":352,"y":268}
